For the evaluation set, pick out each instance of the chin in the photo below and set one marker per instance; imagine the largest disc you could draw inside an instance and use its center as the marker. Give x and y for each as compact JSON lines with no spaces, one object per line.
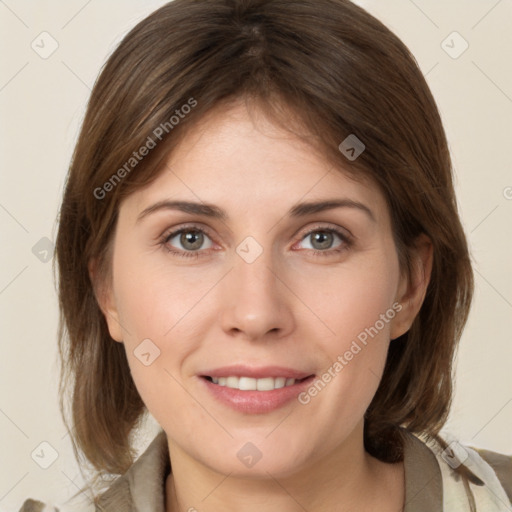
{"x":248,"y":461}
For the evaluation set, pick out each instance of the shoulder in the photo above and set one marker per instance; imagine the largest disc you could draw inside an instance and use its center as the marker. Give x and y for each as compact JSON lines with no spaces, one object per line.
{"x":31,"y":505}
{"x":72,"y":505}
{"x":140,"y":488}
{"x":502,"y":466}
{"x":441,"y":462}
{"x":117,"y":497}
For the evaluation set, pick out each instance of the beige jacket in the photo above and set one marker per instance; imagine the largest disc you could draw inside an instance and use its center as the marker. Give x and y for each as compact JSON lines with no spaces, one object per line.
{"x":431,"y":485}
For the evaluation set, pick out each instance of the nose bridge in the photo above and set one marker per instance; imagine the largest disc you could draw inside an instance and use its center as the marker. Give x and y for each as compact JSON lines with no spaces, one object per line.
{"x":253,"y":270}
{"x":255,"y":300}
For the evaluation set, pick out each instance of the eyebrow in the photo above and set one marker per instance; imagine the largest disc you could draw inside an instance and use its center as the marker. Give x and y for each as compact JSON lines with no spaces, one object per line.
{"x":212,"y":211}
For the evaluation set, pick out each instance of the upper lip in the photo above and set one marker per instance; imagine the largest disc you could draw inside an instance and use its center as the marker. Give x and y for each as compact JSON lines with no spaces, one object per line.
{"x":241,"y":370}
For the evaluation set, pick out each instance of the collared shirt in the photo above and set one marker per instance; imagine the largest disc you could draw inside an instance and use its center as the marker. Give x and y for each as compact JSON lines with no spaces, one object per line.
{"x":142,"y":487}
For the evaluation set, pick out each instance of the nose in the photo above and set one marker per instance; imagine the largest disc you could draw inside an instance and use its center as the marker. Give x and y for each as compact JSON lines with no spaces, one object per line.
{"x":256,"y":303}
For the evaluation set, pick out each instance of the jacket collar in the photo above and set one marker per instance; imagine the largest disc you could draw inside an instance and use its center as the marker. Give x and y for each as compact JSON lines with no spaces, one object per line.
{"x":423,"y":479}
{"x":142,"y":487}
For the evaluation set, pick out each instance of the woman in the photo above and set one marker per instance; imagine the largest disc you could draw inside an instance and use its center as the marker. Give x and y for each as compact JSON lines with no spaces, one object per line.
{"x":259,"y":244}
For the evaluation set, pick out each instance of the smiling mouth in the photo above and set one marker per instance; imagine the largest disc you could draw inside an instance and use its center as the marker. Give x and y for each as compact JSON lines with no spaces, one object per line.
{"x":253,"y":384}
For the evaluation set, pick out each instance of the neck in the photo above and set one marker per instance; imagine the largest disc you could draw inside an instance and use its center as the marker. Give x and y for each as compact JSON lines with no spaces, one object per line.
{"x":347,"y":479}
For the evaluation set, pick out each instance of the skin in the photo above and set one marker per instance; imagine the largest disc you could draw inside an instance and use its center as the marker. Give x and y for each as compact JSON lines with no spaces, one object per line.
{"x":287,"y":308}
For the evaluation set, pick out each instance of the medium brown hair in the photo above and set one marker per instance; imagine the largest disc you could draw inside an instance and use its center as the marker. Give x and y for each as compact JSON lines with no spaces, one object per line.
{"x":339,"y":71}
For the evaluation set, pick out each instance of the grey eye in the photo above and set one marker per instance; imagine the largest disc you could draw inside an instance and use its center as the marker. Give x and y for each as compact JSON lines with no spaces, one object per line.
{"x":190,"y":239}
{"x":321,"y":239}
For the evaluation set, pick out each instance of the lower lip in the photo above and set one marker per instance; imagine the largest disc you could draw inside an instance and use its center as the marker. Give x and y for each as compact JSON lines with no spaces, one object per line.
{"x":256,"y":402}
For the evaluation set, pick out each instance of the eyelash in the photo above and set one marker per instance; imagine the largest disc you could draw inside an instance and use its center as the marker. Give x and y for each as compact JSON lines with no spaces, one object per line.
{"x":164,"y":242}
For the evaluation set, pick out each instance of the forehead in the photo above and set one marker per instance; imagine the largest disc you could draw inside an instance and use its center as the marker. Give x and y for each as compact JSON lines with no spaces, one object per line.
{"x":241,"y":160}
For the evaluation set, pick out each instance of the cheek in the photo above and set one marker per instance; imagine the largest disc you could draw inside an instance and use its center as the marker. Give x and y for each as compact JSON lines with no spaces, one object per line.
{"x":162,"y":311}
{"x":154,"y":298}
{"x":351,"y":300}
{"x":153,"y":311}
{"x":358,"y":309}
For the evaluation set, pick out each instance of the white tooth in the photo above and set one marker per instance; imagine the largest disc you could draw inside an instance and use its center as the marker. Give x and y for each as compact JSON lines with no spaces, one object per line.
{"x":232,"y":382}
{"x":265,"y":384}
{"x":247,"y":383}
{"x":279,"y":382}
{"x":250,"y":384}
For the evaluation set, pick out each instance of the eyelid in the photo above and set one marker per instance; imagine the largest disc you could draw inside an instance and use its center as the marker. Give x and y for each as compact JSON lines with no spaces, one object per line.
{"x":187,"y":226}
{"x":328,"y":227}
{"x":344,"y":235}
{"x":301,"y":233}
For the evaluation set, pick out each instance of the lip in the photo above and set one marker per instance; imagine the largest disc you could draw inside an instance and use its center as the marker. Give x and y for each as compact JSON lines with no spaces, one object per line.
{"x":255,"y":402}
{"x":261,"y":372}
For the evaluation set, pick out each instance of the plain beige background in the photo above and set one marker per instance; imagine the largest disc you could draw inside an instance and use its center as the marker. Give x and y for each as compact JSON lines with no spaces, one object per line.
{"x":42,"y":101}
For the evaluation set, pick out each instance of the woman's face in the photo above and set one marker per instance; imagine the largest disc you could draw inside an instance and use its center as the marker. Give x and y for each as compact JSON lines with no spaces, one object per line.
{"x":260,"y":286}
